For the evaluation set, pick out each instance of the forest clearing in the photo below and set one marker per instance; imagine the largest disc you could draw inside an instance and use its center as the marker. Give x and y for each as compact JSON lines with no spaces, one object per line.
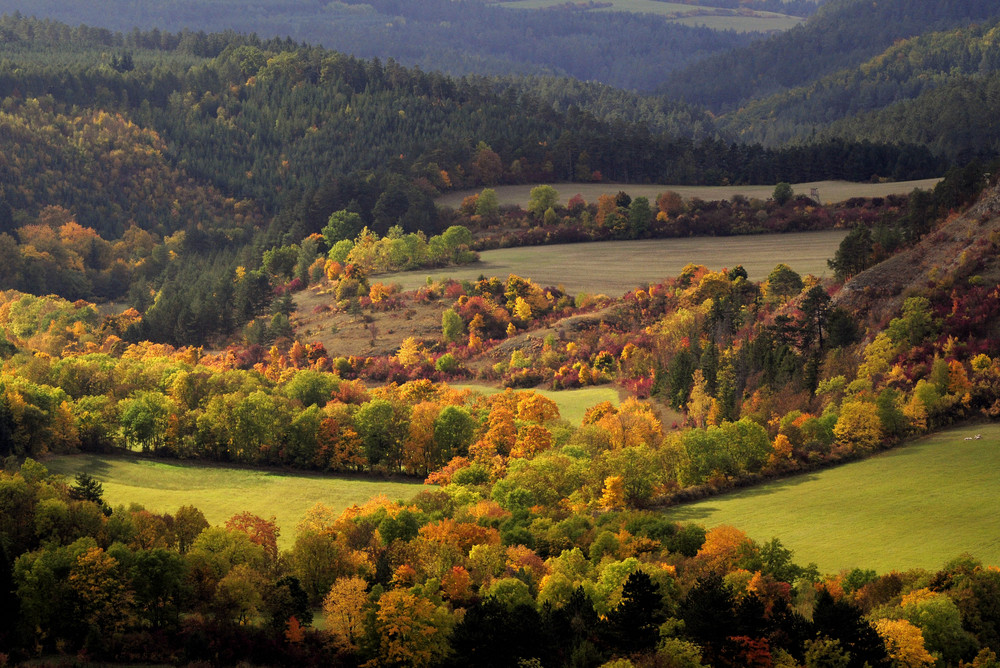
{"x":918,"y":505}
{"x":223,"y":491}
{"x":572,"y":403}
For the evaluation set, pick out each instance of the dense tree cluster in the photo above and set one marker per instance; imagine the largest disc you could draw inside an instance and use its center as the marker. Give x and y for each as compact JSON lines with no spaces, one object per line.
{"x":619,"y":216}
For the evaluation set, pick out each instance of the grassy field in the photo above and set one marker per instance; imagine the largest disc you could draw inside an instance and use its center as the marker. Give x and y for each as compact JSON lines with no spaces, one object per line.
{"x":221,"y":492}
{"x":572,"y":403}
{"x":916,"y":506}
{"x":687,"y":14}
{"x":829,"y":191}
{"x":614,"y":267}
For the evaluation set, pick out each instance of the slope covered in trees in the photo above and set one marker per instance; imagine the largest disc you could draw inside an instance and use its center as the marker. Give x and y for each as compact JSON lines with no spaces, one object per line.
{"x":442,"y":35}
{"x":842,"y":34}
{"x":933,"y":90}
{"x":210,"y":150}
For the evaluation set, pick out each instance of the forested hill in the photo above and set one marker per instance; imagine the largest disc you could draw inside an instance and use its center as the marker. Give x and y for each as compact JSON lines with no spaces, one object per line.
{"x":305,"y":131}
{"x":622,"y":49}
{"x":182,"y":158}
{"x":842,"y":34}
{"x":933,"y":90}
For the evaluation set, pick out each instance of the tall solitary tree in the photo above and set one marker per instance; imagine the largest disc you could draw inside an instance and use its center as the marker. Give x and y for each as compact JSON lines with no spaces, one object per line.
{"x":542,"y":198}
{"x":783,"y":193}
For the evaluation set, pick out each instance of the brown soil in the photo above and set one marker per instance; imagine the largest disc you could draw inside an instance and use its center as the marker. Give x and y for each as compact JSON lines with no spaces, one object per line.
{"x":343,"y":334}
{"x":938,"y":256}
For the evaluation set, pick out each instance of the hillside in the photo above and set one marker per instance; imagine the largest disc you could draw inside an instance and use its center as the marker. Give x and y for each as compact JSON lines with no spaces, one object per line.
{"x":957,"y":255}
{"x":932,"y":90}
{"x":843,"y":34}
{"x":109,"y":171}
{"x":952,"y":119}
{"x":457,"y":38}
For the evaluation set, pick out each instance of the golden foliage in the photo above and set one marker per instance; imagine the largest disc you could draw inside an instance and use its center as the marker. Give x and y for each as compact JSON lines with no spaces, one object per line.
{"x":344,"y":610}
{"x":904,"y":642}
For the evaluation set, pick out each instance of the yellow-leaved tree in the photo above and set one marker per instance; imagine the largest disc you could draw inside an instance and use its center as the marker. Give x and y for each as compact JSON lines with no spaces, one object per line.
{"x":858,"y":425}
{"x":344,"y":609}
{"x":904,"y":642}
{"x":412,"y":631}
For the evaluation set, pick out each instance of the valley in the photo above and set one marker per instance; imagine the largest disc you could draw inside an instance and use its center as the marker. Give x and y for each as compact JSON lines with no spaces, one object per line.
{"x":300,"y":365}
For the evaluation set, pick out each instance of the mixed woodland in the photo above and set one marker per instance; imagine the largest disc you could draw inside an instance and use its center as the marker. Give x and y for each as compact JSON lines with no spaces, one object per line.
{"x":168,"y":197}
{"x":458,"y":38}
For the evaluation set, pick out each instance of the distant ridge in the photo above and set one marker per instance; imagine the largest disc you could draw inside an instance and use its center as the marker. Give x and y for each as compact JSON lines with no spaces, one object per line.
{"x":842,"y":34}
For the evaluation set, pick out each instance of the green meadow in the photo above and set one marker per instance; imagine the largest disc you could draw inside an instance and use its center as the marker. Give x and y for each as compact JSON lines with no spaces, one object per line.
{"x":221,"y":492}
{"x":919,"y":505}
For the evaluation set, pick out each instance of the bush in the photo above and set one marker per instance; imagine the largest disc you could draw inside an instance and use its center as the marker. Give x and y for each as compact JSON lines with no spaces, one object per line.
{"x":447,"y":364}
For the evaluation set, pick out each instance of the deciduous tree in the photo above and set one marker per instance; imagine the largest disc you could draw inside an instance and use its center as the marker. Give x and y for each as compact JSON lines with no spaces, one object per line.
{"x":344,"y":609}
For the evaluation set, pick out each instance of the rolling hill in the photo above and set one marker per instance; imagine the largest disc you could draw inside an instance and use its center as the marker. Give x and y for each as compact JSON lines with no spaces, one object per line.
{"x":842,"y":35}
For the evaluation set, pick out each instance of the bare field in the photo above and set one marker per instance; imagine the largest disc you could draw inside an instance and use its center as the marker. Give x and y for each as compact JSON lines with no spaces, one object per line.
{"x":718,"y":19}
{"x":765,"y":22}
{"x":615,"y":267}
{"x":829,"y":191}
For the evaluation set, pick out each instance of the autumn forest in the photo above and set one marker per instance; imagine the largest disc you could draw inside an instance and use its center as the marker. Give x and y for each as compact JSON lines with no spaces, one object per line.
{"x":204,"y":240}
